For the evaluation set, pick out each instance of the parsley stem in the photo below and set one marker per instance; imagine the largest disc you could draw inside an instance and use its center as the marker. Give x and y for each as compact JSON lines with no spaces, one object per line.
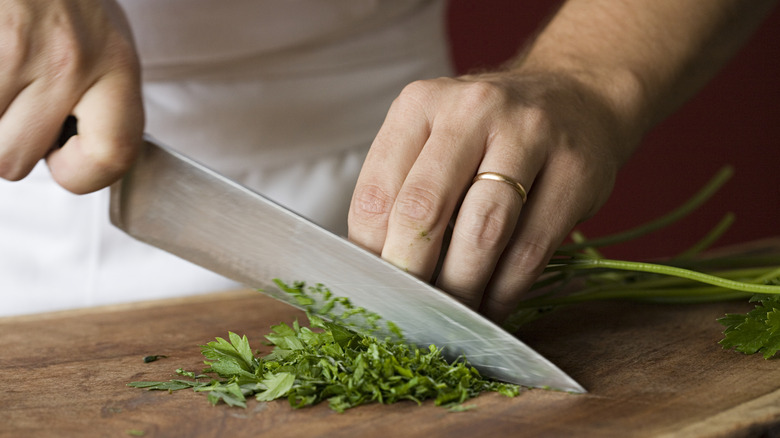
{"x":663,"y":289}
{"x":709,"y":239}
{"x":668,"y":295}
{"x":692,"y":204}
{"x":769,"y":276}
{"x":672,"y":271}
{"x":748,"y":275}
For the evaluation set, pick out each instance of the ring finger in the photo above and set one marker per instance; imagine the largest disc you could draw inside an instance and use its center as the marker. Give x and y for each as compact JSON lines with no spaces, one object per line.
{"x":486,"y":220}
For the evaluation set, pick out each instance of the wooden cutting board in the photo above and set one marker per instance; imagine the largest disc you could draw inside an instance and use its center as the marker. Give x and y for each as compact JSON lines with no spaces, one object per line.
{"x":651,"y":370}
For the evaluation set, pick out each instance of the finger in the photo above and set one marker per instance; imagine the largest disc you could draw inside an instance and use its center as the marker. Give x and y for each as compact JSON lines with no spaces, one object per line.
{"x":28,"y":128}
{"x":12,"y":83}
{"x":430,"y":193}
{"x":111,"y":123}
{"x":393,"y":152}
{"x":550,"y":214}
{"x":486,"y":220}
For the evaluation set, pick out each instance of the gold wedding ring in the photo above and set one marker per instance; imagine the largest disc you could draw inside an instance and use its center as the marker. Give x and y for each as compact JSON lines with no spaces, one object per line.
{"x":493,"y":176}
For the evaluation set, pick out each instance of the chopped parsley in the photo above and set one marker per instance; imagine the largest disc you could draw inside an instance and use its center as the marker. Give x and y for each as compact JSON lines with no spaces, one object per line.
{"x":328,"y":361}
{"x":153,"y":358}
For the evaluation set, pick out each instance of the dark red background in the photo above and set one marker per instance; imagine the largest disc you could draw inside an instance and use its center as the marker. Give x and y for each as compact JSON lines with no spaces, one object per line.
{"x":734,"y":121}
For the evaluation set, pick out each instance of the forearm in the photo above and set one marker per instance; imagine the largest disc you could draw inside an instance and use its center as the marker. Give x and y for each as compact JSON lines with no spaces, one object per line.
{"x":645,"y":57}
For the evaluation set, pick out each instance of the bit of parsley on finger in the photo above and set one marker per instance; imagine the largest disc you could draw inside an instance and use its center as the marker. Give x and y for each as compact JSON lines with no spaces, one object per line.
{"x":327,"y":361}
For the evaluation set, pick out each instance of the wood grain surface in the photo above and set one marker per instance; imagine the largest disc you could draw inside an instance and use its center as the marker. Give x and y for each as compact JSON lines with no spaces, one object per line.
{"x":651,"y":370}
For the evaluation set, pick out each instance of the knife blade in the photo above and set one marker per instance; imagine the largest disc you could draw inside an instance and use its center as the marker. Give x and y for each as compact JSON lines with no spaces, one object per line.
{"x":176,"y":204}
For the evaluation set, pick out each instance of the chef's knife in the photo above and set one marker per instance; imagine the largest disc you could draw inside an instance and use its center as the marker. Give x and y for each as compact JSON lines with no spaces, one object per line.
{"x":172,"y":202}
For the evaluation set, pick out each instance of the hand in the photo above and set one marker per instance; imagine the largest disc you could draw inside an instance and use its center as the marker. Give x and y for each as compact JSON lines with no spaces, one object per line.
{"x":552,"y":133}
{"x":61,"y":57}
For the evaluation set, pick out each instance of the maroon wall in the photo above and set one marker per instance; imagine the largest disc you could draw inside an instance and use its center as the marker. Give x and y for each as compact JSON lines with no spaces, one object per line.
{"x":734,"y":121}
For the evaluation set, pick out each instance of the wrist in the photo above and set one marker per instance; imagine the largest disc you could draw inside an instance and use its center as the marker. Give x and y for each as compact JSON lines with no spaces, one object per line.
{"x":621,"y":91}
{"x":616,"y":96}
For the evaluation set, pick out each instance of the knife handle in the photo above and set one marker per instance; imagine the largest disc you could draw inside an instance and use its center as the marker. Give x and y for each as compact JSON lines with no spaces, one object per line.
{"x":69,"y":129}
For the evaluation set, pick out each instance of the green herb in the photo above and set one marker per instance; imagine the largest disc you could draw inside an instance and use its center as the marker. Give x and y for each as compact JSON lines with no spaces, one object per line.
{"x":756,"y":331}
{"x":327,"y":361}
{"x":686,"y":278}
{"x":153,"y":358}
{"x":319,"y":300}
{"x":709,"y":189}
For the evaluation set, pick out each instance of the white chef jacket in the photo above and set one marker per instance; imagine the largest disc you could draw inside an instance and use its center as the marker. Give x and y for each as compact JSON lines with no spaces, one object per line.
{"x":283,"y":96}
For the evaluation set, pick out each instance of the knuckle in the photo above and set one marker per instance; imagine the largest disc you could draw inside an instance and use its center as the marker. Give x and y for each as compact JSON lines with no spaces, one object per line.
{"x":483,"y":230}
{"x":74,"y":55}
{"x":423,"y":91}
{"x":538,"y":120}
{"x":65,"y":63}
{"x":413,"y":96}
{"x":123,"y":54}
{"x":536,"y":126}
{"x":415,"y":89}
{"x":112,"y":160}
{"x":14,"y":49}
{"x":370,"y":204}
{"x":503,"y":301}
{"x":482,"y":93}
{"x":484,"y":90}
{"x":530,"y":253}
{"x":417,"y":207}
{"x":12,"y":171}
{"x":65,"y":49}
{"x":466,"y":297}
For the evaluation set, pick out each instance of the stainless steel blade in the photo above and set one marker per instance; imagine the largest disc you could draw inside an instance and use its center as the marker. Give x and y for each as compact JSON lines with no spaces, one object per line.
{"x":182,"y":207}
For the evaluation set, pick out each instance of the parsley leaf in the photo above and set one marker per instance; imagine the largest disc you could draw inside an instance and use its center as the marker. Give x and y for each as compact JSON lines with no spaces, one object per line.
{"x":756,"y":331}
{"x":278,"y":385}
